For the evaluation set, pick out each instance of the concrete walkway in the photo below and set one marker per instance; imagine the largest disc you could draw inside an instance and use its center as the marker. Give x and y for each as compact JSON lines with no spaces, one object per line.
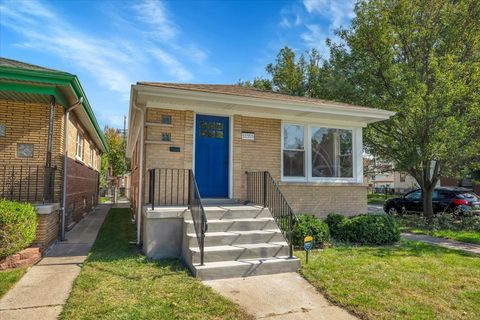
{"x":279,"y":296}
{"x":450,"y":244}
{"x":44,"y":289}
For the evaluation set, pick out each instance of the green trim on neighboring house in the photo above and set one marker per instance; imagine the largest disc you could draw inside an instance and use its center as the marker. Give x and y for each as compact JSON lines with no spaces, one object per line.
{"x":27,"y":88}
{"x":52,"y":78}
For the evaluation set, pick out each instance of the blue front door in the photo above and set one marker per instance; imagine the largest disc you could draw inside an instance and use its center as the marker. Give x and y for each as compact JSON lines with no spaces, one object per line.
{"x":211,"y":156}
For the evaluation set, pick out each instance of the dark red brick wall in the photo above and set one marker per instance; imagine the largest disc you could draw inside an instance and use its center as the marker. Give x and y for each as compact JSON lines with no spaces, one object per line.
{"x":82,"y":191}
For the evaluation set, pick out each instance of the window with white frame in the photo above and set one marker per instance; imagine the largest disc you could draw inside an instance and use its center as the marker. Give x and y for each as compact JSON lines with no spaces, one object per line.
{"x":91,"y":156}
{"x":331,"y":153}
{"x":314,"y":153}
{"x":79,"y":151}
{"x":293,"y":150}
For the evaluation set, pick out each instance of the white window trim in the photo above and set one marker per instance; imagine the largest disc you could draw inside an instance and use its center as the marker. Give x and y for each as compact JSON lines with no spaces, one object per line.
{"x":356,"y":155}
{"x":305,"y":152}
{"x":78,"y":147}
{"x":91,"y":156}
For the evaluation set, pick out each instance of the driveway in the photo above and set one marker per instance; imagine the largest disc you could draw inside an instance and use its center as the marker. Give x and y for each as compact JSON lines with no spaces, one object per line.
{"x":375,"y":208}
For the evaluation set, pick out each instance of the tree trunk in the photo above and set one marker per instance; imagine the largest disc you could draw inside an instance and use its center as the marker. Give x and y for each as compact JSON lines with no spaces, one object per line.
{"x":427,"y":203}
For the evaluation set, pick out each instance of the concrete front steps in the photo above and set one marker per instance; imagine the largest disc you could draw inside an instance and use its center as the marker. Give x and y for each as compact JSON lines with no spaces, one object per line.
{"x":241,"y":241}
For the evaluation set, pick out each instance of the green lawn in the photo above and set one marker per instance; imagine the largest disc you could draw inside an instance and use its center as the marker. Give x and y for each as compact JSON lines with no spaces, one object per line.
{"x":414,"y":224}
{"x":464,"y":236}
{"x":117,"y":282}
{"x":378,"y":198}
{"x":410,"y":280}
{"x":104,"y":199}
{"x":8,"y":278}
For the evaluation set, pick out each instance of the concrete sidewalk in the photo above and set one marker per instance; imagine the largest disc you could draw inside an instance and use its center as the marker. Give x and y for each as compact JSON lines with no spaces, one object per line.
{"x":450,"y":244}
{"x":279,"y":296}
{"x":44,"y":289}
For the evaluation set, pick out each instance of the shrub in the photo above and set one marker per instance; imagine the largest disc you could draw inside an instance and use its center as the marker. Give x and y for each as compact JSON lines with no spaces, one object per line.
{"x":18,"y":225}
{"x":369,"y":229}
{"x":309,"y":225}
{"x":333,"y":221}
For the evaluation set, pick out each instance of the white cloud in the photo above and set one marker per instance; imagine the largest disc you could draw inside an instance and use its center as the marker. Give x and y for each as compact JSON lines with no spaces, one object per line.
{"x":291,"y":17}
{"x":339,"y":12}
{"x":46,"y":31}
{"x":175,"y":68}
{"x":333,"y":13}
{"x":155,"y":14}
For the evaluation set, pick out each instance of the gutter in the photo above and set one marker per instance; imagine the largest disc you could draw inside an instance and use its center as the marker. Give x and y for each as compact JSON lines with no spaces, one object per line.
{"x":65,"y":167}
{"x":140,"y":173}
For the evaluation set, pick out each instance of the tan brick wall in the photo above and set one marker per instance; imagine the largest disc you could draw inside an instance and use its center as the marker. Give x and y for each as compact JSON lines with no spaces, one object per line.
{"x":158,"y":154}
{"x":28,"y":123}
{"x":47,"y":229}
{"x":82,"y":175}
{"x":263,"y":153}
{"x":321,"y":200}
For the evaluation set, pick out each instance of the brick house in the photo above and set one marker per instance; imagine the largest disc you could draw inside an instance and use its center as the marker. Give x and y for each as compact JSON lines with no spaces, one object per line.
{"x":47,"y":125}
{"x":201,"y":152}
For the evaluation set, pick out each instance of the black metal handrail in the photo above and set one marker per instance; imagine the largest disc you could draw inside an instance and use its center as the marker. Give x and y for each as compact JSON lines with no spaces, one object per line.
{"x":198,"y":214}
{"x":27,"y":183}
{"x":262,"y":189}
{"x":170,"y":187}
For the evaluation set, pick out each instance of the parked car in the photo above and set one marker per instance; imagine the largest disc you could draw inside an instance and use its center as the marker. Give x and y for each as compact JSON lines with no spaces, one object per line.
{"x":445,"y":199}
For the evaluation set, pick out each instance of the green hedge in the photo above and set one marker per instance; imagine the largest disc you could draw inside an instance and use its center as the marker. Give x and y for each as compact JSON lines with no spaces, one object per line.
{"x":333,"y":221}
{"x":309,"y":225}
{"x":18,"y":226}
{"x":364,"y":229}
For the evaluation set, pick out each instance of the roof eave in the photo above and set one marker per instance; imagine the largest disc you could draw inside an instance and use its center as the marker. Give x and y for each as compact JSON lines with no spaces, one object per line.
{"x":375,"y":115}
{"x":61,"y":79}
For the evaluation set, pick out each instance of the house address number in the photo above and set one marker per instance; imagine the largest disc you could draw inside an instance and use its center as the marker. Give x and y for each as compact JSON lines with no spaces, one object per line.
{"x":248,"y":136}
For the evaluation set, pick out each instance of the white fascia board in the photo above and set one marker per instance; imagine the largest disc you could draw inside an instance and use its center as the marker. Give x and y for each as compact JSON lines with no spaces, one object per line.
{"x":334,"y":109}
{"x":133,"y":125}
{"x":278,"y":116}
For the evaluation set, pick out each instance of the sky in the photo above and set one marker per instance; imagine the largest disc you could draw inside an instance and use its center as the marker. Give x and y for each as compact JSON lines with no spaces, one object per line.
{"x":111,"y":45}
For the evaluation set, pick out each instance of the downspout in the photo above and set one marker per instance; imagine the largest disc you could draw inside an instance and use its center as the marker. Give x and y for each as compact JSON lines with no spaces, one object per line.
{"x":48,"y":190}
{"x":140,"y":175}
{"x":65,"y":165}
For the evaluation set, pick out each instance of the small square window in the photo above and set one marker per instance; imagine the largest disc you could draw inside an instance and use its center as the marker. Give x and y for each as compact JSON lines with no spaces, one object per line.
{"x":2,"y":130}
{"x":166,"y":136}
{"x":24,"y":150}
{"x":166,"y":119}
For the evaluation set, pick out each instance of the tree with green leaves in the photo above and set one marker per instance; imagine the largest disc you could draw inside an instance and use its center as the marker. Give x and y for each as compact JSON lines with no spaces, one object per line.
{"x":418,"y":58}
{"x":116,"y":156}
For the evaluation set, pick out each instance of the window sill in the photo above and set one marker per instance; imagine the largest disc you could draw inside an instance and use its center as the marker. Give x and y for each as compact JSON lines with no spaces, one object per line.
{"x":158,"y":142}
{"x":158,"y":124}
{"x":322,"y":183}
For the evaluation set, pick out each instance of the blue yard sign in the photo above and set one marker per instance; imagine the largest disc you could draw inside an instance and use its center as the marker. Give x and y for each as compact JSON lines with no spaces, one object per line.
{"x":307,"y":245}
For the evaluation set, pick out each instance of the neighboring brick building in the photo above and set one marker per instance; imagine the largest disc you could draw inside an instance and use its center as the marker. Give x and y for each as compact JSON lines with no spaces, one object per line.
{"x":33,"y":102}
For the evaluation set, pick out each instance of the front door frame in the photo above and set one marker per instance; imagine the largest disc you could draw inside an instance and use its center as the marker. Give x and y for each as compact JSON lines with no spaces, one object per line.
{"x":230,"y":146}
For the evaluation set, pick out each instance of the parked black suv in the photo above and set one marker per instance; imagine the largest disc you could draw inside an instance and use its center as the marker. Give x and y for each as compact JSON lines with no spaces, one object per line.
{"x":448,"y":199}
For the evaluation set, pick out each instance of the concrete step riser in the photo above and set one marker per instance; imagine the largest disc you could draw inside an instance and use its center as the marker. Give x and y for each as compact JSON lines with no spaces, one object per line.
{"x":248,"y":270}
{"x":248,"y":253}
{"x":232,"y":225}
{"x":238,"y":239}
{"x":235,"y":214}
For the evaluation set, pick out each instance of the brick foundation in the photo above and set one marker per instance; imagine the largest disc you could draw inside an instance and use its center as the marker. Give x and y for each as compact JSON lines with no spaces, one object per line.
{"x":48,"y":225}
